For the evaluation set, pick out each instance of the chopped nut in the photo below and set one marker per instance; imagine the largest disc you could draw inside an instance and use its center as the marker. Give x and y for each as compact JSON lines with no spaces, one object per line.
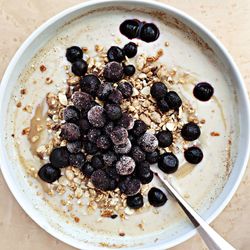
{"x":69,"y":174}
{"x":128,"y":211}
{"x":140,"y":61}
{"x":76,"y":219}
{"x":145,"y":91}
{"x":35,"y":138}
{"x":62,"y":99}
{"x":78,"y":193}
{"x":23,"y":91}
{"x":43,"y":68}
{"x":145,"y":119}
{"x":28,"y":109}
{"x":48,"y":80}
{"x":63,"y":181}
{"x":72,"y":81}
{"x":155,"y":117}
{"x":135,"y":92}
{"x":19,"y":104}
{"x":106,"y":213}
{"x":215,"y":133}
{"x":26,"y":131}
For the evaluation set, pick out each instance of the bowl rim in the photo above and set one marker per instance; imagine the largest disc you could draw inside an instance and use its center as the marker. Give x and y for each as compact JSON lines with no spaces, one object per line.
{"x":152,"y":4}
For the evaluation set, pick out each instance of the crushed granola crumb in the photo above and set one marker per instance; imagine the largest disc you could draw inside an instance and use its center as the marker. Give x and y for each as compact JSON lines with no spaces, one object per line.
{"x":215,"y":133}
{"x":43,"y":68}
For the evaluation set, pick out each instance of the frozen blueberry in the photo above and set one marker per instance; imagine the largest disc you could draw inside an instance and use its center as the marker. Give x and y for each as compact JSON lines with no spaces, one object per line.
{"x":158,"y":90}
{"x":77,"y":160}
{"x":126,"y":89}
{"x":190,"y":131}
{"x":59,"y":157}
{"x":123,"y":148}
{"x":74,"y":147}
{"x":135,"y":201}
{"x":163,"y":105}
{"x":104,"y":90}
{"x":149,"y":32}
{"x":97,"y":161}
{"x":168,"y":163}
{"x":203,"y":91}
{"x":79,"y":67}
{"x":112,"y":173}
{"x":144,"y":173}
{"x":100,"y":179}
{"x":74,"y":53}
{"x":193,"y":155}
{"x":97,"y":116}
{"x":93,"y":134}
{"x":139,"y":128}
{"x":84,"y":125}
{"x":137,"y":154}
{"x":173,"y":100}
{"x":115,"y":96}
{"x":90,"y":148}
{"x":48,"y":173}
{"x":130,"y":28}
{"x":156,"y":197}
{"x":153,"y":157}
{"x":119,"y":135}
{"x":108,"y":128}
{"x":133,"y":139}
{"x":113,"y":72}
{"x":82,"y":100}
{"x":115,"y":54}
{"x":112,"y":184}
{"x":165,"y":138}
{"x":126,"y":121}
{"x":113,"y":111}
{"x":128,"y":70}
{"x":70,"y":132}
{"x":125,"y":166}
{"x":87,"y":169}
{"x":103,"y":142}
{"x":90,"y":84}
{"x":130,"y":186}
{"x":130,"y":49}
{"x":148,"y":142}
{"x":71,"y":114}
{"x":109,"y":158}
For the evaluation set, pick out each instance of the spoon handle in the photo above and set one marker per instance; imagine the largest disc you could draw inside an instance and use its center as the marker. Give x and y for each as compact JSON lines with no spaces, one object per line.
{"x":212,"y":239}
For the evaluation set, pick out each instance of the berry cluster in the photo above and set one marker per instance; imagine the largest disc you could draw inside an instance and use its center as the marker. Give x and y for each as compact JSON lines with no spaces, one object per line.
{"x":132,"y":28}
{"x":121,"y":149}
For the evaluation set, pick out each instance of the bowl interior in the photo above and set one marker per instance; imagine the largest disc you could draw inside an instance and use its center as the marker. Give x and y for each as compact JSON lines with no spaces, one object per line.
{"x":15,"y":175}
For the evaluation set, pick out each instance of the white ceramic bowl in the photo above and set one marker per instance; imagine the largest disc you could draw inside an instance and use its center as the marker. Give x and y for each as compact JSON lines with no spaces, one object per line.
{"x":39,"y":37}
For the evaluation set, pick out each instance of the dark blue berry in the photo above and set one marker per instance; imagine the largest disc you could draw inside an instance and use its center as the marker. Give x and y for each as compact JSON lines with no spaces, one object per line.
{"x":158,"y":90}
{"x":137,"y":154}
{"x":113,"y":72}
{"x":87,"y":169}
{"x":156,"y":197}
{"x":84,"y":126}
{"x":104,"y":90}
{"x":129,"y":70}
{"x":163,"y":105}
{"x":49,"y":173}
{"x":74,"y":147}
{"x":203,"y":91}
{"x":90,"y":148}
{"x":115,"y":54}
{"x":126,"y":89}
{"x":139,"y":128}
{"x":110,"y":158}
{"x":103,"y":142}
{"x":130,"y":49}
{"x":173,"y":100}
{"x":149,"y":32}
{"x":77,"y":160}
{"x":130,"y":28}
{"x":93,"y":134}
{"x":130,"y":186}
{"x":190,"y":131}
{"x":168,"y":163}
{"x":113,"y":111}
{"x":144,"y":173}
{"x":82,"y":100}
{"x":97,"y":116}
{"x":153,"y":157}
{"x":135,"y":201}
{"x":74,"y":53}
{"x":108,"y":128}
{"x":165,"y":138}
{"x":70,"y":132}
{"x":126,"y":121}
{"x":90,"y":84}
{"x":193,"y":155}
{"x":79,"y":67}
{"x":115,"y":96}
{"x":97,"y":161}
{"x":119,"y":135}
{"x":71,"y":114}
{"x":100,"y":179}
{"x":59,"y":157}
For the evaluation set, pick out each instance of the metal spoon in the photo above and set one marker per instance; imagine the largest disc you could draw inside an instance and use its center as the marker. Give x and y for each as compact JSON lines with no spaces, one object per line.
{"x":212,"y":239}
